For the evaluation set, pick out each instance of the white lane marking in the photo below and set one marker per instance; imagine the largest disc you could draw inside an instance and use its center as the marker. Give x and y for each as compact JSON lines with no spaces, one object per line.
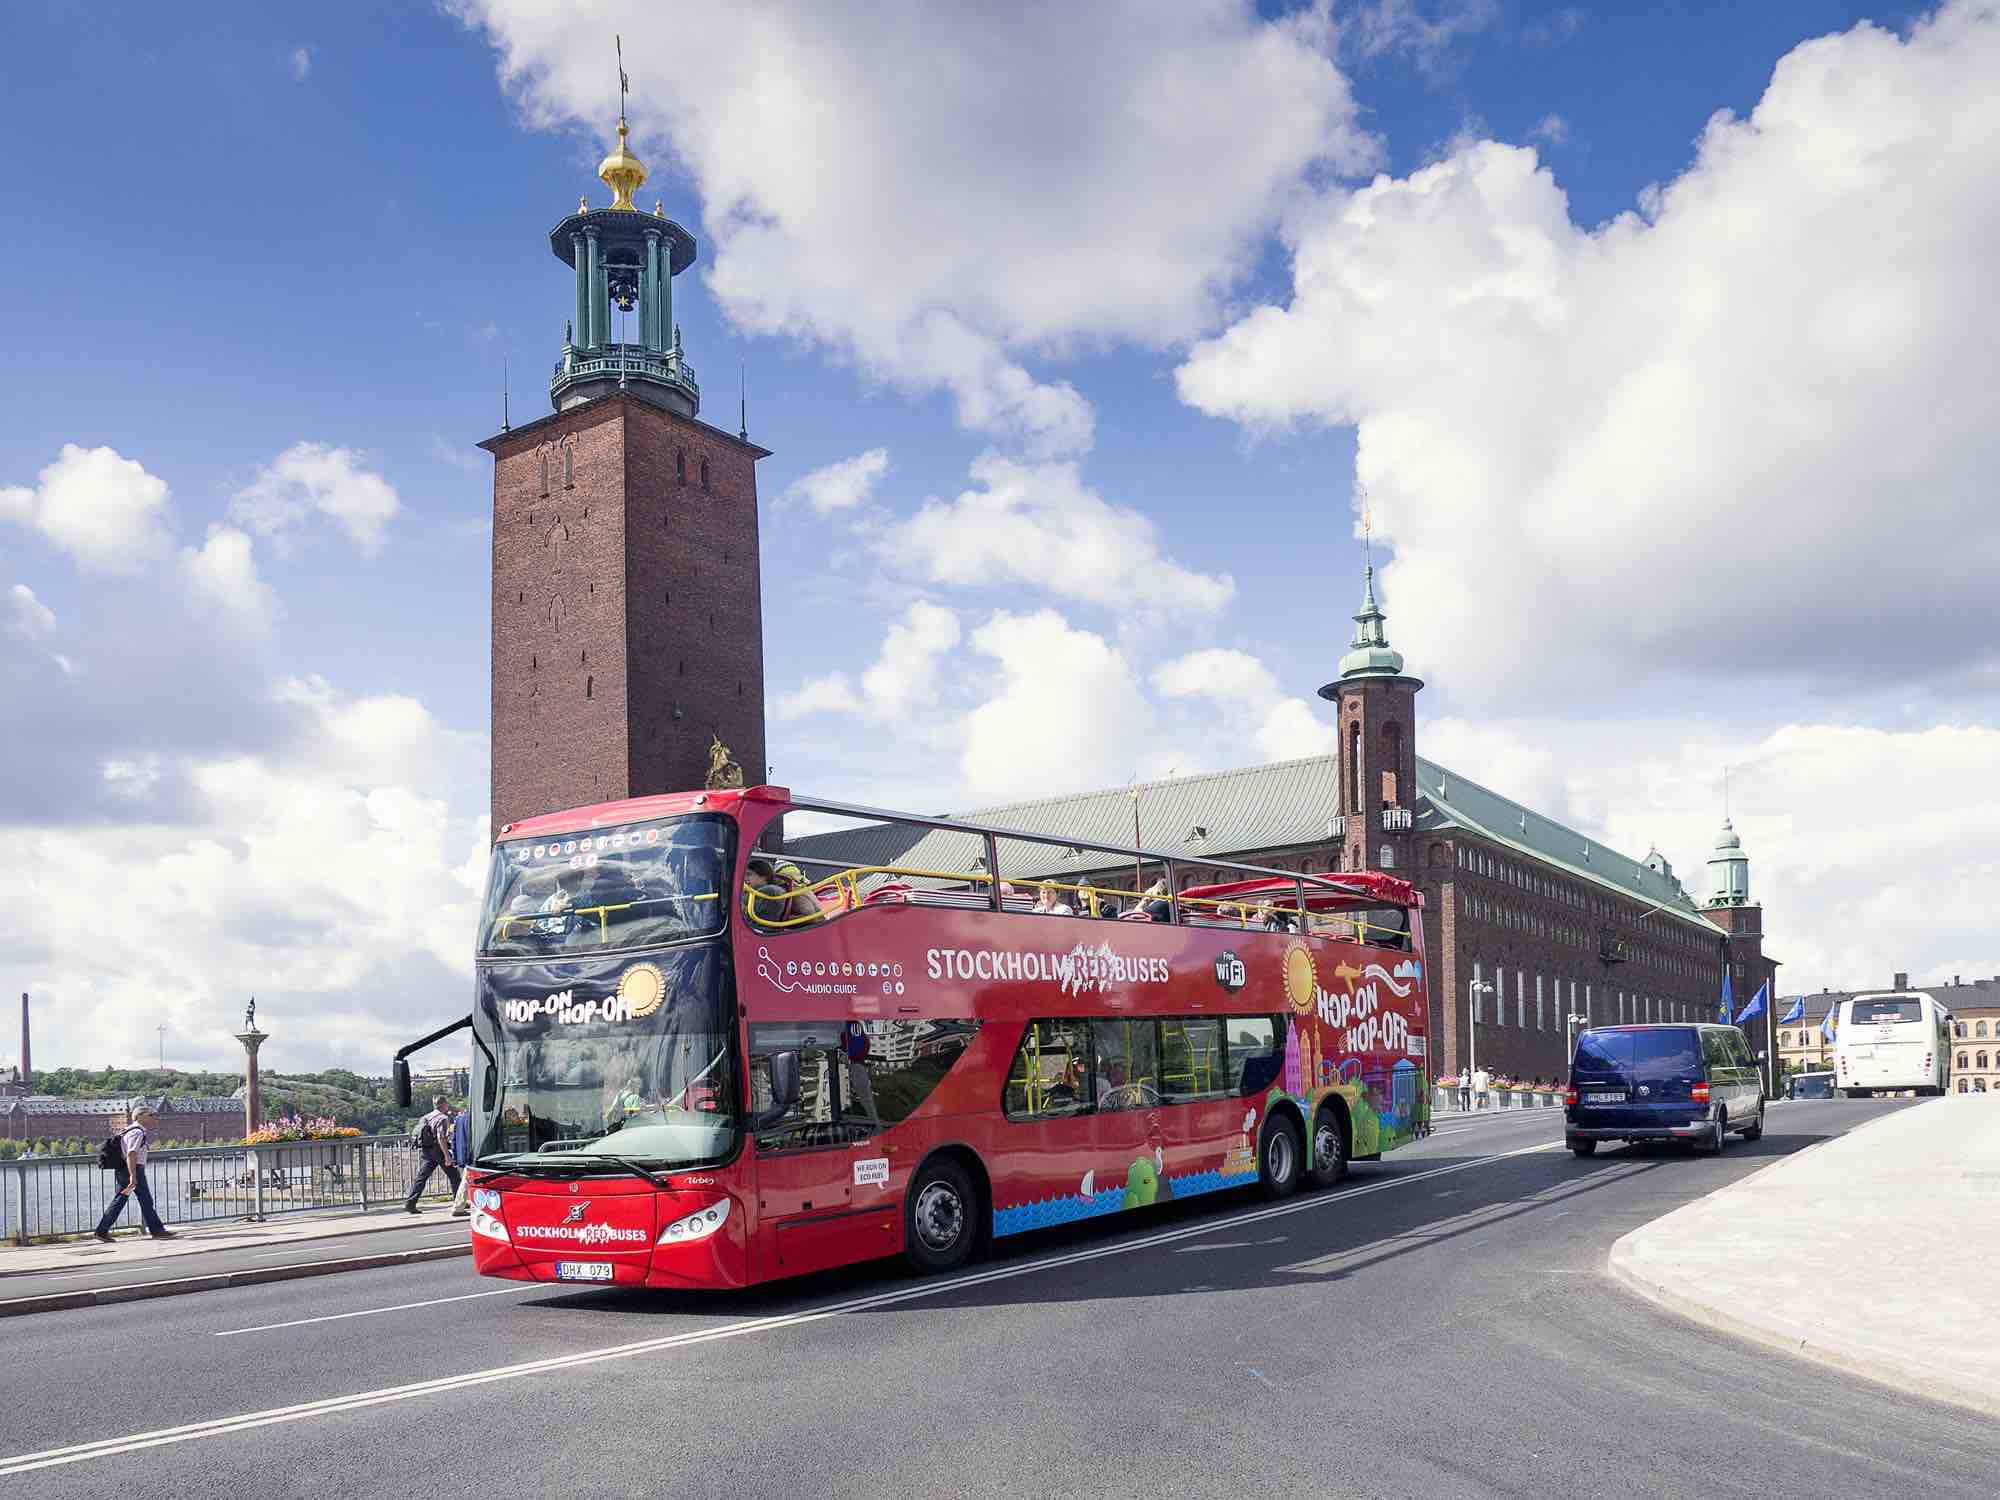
{"x":52,"y":1458}
{"x":368,"y":1312}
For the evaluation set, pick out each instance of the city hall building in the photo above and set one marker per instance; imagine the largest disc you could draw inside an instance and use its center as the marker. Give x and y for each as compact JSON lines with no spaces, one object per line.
{"x":628,"y":658}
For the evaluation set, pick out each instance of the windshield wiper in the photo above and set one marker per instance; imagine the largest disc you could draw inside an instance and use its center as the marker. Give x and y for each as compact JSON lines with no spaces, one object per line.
{"x":566,"y":1164}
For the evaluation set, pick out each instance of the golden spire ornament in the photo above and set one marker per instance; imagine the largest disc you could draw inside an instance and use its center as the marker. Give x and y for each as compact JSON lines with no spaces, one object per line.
{"x":621,"y":171}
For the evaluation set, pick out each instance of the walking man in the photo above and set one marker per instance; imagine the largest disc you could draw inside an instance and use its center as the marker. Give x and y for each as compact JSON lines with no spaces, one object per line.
{"x":1481,"y":1082}
{"x":433,"y":1143}
{"x":461,"y":1153}
{"x":1464,"y":1089}
{"x":132,"y":1183}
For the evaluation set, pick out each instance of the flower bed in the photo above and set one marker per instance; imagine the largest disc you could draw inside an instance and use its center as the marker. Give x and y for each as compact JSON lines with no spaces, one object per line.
{"x":300,"y":1128}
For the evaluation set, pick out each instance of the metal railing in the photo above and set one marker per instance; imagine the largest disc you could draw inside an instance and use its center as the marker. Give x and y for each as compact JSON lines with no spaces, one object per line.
{"x":46,"y":1196}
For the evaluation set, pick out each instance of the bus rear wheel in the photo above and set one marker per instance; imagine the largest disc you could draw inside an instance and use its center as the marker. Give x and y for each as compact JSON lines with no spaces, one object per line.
{"x":1279,"y":1156}
{"x":938,"y":1230}
{"x":1329,"y":1163}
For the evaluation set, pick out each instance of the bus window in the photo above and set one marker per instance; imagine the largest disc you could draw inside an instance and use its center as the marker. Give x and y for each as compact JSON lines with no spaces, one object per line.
{"x":1050,"y":1075}
{"x":901,"y":1062}
{"x":1889,"y":1012}
{"x":817,"y":1119}
{"x":1191,"y":1065}
{"x":1256,"y":1053}
{"x":1128,"y":1064}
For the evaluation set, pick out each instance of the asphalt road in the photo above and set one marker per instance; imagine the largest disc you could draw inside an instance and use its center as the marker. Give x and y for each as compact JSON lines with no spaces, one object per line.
{"x":1439,"y":1326}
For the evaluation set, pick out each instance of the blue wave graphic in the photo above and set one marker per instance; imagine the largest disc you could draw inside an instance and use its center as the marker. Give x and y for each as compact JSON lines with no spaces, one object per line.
{"x":1072,"y":1208}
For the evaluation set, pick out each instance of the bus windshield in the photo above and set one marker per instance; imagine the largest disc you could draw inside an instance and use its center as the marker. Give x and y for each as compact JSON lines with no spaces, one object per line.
{"x":645,"y":1072}
{"x":608,"y":888}
{"x":1885,"y":1012}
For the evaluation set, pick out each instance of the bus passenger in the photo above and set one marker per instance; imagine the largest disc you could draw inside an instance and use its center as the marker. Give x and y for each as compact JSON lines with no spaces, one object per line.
{"x":777,"y":894}
{"x":1048,"y":903}
{"x":1156,"y":905}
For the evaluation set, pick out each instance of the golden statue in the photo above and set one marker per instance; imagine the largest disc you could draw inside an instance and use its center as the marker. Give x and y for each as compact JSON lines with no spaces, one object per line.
{"x":723,"y":772}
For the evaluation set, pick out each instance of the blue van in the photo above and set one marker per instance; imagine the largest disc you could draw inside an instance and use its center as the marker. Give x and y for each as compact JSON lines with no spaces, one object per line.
{"x":1663,"y":1083}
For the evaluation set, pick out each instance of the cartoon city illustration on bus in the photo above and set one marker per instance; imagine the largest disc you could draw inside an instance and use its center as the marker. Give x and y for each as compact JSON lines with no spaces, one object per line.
{"x":1354,"y":1041}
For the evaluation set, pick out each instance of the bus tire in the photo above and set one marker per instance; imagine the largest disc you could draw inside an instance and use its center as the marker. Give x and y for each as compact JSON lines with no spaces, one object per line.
{"x":1280,"y":1154}
{"x":939,"y":1232}
{"x":1329,"y":1163}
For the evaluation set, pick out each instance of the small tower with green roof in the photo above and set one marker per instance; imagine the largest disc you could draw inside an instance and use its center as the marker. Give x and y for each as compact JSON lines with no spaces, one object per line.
{"x":1376,"y":724}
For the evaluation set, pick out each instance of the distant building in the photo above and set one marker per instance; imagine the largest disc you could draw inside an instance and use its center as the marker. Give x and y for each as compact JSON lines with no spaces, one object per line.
{"x":1973,"y":1003}
{"x":181,"y":1117}
{"x":453,"y":1081}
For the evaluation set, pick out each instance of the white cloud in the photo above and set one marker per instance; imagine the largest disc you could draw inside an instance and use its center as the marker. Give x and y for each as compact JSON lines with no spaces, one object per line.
{"x":461,"y":456}
{"x":313,"y":478}
{"x":300,"y":62}
{"x":1752,"y":428}
{"x":942,"y":191}
{"x":1383,"y":27}
{"x":903,"y":677}
{"x":98,"y":506}
{"x":842,"y":485}
{"x":222,"y":575}
{"x":27,"y":617}
{"x":1067,"y":713}
{"x":1040,"y":526}
{"x":1247,"y":695}
{"x":1551,"y":128}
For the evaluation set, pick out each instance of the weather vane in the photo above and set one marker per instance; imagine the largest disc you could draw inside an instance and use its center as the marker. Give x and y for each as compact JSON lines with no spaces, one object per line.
{"x":624,"y":83}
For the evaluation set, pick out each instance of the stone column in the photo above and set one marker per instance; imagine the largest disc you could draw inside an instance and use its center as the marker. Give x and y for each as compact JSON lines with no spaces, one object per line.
{"x":666,"y":284}
{"x":597,"y":308}
{"x":649,"y":295}
{"x":253,"y":1097}
{"x":582,"y":334}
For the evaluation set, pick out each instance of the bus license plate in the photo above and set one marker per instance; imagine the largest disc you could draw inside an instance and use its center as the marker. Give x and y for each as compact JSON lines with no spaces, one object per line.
{"x":583,"y":1270}
{"x":1603,"y":1098}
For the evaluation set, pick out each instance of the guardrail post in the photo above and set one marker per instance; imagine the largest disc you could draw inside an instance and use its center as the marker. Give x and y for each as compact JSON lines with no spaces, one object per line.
{"x":361,"y":1169}
{"x":20,"y":1196}
{"x":256,"y":1185}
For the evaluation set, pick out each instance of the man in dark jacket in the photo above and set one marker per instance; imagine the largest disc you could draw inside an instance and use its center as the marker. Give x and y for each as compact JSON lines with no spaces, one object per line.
{"x":433,"y":1143}
{"x":461,"y":1155}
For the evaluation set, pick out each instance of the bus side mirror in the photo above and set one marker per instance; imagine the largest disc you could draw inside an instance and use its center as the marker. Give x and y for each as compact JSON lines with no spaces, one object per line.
{"x":489,"y":1089}
{"x":402,"y":1083}
{"x":783,"y":1070}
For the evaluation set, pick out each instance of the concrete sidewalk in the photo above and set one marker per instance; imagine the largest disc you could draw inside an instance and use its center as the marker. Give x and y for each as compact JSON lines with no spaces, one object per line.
{"x":1872,"y":1253}
{"x":44,"y":1278}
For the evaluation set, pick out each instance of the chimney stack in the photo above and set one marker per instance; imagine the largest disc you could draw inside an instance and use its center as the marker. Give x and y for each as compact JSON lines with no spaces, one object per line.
{"x":1902,"y":980}
{"x":27,"y":1063}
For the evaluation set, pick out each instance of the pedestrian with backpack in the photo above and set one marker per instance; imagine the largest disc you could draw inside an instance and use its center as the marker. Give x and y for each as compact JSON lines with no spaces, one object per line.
{"x":432,"y":1141}
{"x":125,"y":1155}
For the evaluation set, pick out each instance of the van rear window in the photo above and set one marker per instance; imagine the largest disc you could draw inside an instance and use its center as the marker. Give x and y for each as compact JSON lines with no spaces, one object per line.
{"x":1603,"y":1052}
{"x":1885,"y":1012}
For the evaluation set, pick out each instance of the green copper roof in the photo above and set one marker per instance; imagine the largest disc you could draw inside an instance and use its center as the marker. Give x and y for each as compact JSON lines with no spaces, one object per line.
{"x":1449,"y":800}
{"x":1372,"y":655}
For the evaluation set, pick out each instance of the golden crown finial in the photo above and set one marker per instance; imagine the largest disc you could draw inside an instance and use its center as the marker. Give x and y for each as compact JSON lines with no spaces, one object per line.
{"x":621,"y":171}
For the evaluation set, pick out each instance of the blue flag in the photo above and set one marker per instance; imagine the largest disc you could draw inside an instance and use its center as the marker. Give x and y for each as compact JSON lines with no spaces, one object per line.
{"x":1756,"y":1005}
{"x":1796,"y":1013}
{"x":1728,"y":1002}
{"x":1827,"y":1025}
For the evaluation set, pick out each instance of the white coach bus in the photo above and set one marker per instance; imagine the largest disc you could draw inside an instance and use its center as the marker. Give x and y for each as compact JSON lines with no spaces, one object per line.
{"x":1889,"y":1042}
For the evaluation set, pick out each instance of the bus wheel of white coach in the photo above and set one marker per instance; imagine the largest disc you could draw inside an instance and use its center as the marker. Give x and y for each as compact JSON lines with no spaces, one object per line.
{"x":1329,"y":1159}
{"x":938,"y":1228}
{"x":1280,"y":1155}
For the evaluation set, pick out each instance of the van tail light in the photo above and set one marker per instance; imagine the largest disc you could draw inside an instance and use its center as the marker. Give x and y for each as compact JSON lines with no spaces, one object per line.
{"x":1701,"y":1093}
{"x":1570,"y":1098}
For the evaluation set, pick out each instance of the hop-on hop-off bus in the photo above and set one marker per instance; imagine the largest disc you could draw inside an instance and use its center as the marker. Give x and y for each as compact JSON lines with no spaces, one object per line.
{"x":1892,"y":1041}
{"x":726,"y":1036}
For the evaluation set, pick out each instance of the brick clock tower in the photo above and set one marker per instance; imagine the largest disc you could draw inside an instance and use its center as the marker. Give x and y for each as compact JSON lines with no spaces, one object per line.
{"x":628,"y":634}
{"x":1376,"y":708}
{"x":1728,"y":906}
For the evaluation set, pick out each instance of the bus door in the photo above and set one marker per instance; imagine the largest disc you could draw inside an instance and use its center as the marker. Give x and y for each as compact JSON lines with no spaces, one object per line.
{"x":1130,"y":1138}
{"x":809,"y":1158}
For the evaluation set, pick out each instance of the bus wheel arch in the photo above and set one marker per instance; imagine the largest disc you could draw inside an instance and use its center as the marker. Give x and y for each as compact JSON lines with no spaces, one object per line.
{"x":1331,"y":1144}
{"x":946,"y":1173}
{"x":1281,"y":1154}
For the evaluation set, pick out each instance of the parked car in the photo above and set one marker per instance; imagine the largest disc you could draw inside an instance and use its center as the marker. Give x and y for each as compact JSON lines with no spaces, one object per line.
{"x":1694,"y":1083}
{"x":1810,"y":1085}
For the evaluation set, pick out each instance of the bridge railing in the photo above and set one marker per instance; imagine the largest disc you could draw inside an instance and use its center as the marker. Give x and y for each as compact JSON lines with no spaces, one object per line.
{"x":41,"y":1197}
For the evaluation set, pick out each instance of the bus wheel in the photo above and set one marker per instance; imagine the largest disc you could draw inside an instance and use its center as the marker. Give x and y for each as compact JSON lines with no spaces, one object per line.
{"x":1329,"y":1162}
{"x":1279,"y":1157}
{"x":938,"y":1233}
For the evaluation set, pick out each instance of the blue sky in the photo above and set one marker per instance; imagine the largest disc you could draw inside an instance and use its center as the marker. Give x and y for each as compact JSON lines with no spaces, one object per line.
{"x":253,"y":228}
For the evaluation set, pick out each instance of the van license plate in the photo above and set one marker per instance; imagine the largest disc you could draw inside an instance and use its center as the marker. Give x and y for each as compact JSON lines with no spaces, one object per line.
{"x":1603,"y":1098}
{"x":583,"y":1270}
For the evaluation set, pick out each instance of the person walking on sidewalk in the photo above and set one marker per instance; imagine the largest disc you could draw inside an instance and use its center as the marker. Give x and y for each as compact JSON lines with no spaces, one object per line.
{"x":132,"y":1183}
{"x":1482,"y":1081}
{"x":433,"y":1143}
{"x":1464,"y":1089}
{"x":461,"y":1153}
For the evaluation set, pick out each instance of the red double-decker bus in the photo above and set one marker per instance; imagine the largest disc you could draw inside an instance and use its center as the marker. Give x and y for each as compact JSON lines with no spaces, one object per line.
{"x":727,"y":1036}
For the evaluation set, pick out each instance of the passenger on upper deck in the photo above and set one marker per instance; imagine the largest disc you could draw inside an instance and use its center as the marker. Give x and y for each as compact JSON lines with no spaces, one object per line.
{"x":1049,"y":904}
{"x":777,"y":894}
{"x":1156,"y":904}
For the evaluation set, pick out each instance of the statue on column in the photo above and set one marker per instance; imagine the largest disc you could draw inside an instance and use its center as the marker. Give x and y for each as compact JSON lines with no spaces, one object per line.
{"x":250,"y":1015}
{"x":723,"y":771}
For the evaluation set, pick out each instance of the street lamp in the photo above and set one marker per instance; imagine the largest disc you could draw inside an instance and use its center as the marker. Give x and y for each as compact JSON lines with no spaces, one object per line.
{"x":1569,"y":1036}
{"x":1474,"y":988}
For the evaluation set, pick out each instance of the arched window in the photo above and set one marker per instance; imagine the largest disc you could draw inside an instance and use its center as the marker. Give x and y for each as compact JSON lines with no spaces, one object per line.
{"x":681,"y":465}
{"x":545,"y":473}
{"x":1392,"y":741}
{"x":1979,"y":1060}
{"x":569,"y":467}
{"x":704,"y":473}
{"x":1961,"y":1059}
{"x":1355,"y":793}
{"x":1784,"y":1039}
{"x":1958,"y":1030}
{"x":1961,"y":1085}
{"x":1388,"y":861}
{"x":1979,"y":1028}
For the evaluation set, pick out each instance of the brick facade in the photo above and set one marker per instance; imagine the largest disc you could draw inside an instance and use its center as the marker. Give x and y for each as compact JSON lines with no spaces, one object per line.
{"x":627,"y":619}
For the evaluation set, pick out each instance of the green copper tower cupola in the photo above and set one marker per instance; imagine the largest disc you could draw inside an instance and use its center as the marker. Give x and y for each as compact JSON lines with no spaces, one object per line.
{"x":1728,"y":870}
{"x":1372,"y":655}
{"x":623,"y":335}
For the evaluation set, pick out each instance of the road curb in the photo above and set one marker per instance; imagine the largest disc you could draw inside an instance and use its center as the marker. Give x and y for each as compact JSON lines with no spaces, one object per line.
{"x":139,"y":1291}
{"x":1902,"y":1373}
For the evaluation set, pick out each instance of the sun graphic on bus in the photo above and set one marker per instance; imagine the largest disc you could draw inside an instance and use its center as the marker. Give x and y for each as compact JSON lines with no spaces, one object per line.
{"x":1301,"y":980}
{"x":642,"y":987}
